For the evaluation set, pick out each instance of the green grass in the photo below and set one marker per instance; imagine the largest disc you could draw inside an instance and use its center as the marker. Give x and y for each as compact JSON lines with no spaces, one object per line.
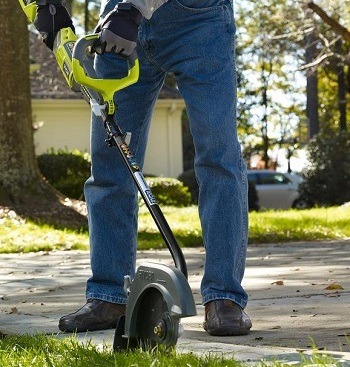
{"x":17,"y":235}
{"x":300,"y":225}
{"x":20,"y":236}
{"x":43,"y":351}
{"x":46,"y":351}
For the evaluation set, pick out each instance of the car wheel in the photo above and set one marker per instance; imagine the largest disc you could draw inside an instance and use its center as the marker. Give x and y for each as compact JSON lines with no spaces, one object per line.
{"x":300,"y":204}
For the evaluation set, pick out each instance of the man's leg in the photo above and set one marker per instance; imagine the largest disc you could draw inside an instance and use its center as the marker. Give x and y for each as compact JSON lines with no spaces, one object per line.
{"x":111,"y":197}
{"x":195,"y":40}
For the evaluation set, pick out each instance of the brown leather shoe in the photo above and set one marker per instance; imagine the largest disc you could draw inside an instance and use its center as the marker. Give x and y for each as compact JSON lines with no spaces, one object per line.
{"x":94,"y":315}
{"x":224,"y":317}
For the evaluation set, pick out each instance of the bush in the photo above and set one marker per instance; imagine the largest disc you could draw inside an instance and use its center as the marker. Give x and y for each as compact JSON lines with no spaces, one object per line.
{"x":169,"y":191}
{"x":66,"y":171}
{"x":327,"y":176}
{"x":189,"y":179}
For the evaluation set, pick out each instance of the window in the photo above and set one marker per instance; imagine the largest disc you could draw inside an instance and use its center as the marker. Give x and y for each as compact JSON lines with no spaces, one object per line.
{"x":273,"y":178}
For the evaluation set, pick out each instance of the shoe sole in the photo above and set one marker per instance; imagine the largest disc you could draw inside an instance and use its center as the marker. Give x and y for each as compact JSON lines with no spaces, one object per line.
{"x":104,"y":326}
{"x":225,"y":331}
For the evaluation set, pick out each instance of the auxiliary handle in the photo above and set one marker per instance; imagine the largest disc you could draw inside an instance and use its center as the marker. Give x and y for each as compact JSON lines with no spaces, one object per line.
{"x":85,"y":75}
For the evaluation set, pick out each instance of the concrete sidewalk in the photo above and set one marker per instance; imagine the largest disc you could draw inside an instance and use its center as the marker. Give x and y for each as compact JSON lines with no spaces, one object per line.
{"x":299,"y":298}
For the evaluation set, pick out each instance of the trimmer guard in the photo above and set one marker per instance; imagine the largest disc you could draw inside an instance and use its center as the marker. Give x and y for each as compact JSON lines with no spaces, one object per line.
{"x":171,"y":285}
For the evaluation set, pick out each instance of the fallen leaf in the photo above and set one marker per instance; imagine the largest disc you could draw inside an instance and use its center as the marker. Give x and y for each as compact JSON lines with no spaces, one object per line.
{"x":278,"y":282}
{"x":334,"y":286}
{"x":14,"y":310}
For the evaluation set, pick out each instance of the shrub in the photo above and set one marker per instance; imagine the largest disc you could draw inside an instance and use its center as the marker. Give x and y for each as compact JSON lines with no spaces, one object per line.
{"x":189,"y":179}
{"x":169,"y":191}
{"x":66,"y":171}
{"x":327,"y":176}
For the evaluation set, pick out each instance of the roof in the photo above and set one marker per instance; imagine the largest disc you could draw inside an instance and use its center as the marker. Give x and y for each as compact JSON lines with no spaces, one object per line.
{"x":47,"y":81}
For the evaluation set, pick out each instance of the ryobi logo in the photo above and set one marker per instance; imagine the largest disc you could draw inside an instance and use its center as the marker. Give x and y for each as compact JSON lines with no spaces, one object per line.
{"x":146,"y":275}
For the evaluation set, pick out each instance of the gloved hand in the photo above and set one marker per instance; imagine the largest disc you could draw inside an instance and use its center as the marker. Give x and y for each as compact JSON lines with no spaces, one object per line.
{"x":119,"y":30}
{"x":50,"y":19}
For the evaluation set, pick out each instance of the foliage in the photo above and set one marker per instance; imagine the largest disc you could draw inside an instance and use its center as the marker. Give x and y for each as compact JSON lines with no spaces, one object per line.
{"x":86,"y":14}
{"x":270,"y":101}
{"x":331,"y":63}
{"x":189,"y":179}
{"x":169,"y":191}
{"x":66,"y":170}
{"x":327,"y":176}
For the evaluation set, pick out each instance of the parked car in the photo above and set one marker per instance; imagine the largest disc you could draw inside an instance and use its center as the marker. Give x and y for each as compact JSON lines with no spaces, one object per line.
{"x":277,"y":190}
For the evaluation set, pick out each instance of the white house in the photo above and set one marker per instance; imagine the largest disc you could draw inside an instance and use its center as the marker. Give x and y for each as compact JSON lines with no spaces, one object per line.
{"x":63,"y":118}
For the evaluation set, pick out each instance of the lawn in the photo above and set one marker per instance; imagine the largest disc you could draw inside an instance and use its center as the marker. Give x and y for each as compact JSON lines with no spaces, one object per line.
{"x":46,"y":351}
{"x":17,"y":235}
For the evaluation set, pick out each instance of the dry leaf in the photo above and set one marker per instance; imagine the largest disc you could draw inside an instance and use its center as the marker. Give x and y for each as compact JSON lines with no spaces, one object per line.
{"x":278,"y":282}
{"x":14,"y":310}
{"x":334,"y":286}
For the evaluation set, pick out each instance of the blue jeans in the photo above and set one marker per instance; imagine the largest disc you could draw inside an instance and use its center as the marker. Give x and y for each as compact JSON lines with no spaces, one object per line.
{"x":194,"y":39}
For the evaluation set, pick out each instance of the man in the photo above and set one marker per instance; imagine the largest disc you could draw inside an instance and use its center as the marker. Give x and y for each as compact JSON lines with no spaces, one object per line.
{"x":194,"y":39}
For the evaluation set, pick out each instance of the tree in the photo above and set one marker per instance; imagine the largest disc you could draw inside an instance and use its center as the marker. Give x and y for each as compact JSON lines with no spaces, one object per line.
{"x":328,"y":173}
{"x":333,"y":56}
{"x":21,"y":184}
{"x":267,"y":68}
{"x":18,"y":167}
{"x":86,"y":13}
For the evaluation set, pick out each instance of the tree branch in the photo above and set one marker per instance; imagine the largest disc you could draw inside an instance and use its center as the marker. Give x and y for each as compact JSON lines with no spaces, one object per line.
{"x":316,"y":62}
{"x":330,"y":21}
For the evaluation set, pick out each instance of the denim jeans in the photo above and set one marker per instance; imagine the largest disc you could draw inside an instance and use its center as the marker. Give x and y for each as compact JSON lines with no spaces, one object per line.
{"x":194,"y":39}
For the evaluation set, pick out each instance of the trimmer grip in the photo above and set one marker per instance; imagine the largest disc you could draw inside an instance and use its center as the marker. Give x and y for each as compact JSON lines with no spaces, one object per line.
{"x":85,"y":75}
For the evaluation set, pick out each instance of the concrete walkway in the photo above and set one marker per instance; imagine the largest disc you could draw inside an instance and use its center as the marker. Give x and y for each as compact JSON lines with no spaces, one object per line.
{"x":299,"y":299}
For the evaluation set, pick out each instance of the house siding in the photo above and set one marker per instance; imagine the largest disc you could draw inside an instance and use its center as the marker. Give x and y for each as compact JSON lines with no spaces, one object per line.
{"x":65,"y":124}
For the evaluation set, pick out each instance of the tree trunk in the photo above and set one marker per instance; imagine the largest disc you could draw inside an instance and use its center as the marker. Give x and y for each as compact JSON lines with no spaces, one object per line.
{"x":311,"y":87}
{"x":86,"y":16}
{"x":18,"y":166}
{"x":21,"y":185}
{"x":341,"y":89}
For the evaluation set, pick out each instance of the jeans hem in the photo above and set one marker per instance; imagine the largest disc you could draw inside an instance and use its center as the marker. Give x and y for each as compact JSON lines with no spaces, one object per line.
{"x":106,"y":298}
{"x":231,"y":297}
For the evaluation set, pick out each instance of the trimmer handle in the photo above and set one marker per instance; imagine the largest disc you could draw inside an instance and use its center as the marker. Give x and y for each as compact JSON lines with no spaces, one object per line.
{"x":29,"y":8}
{"x":85,"y":75}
